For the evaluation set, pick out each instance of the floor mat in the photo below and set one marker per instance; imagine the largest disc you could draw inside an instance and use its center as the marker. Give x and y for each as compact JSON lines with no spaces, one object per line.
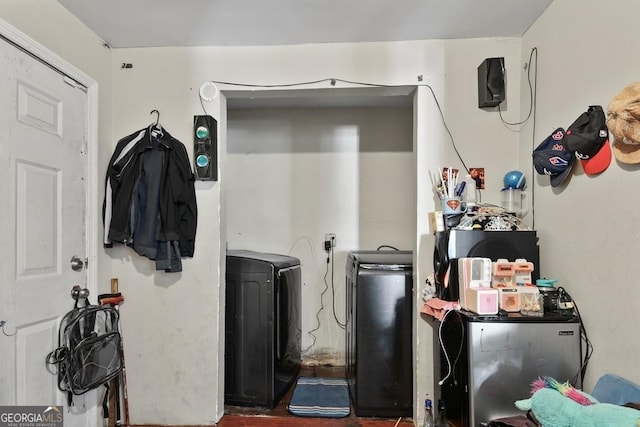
{"x":320,"y":397}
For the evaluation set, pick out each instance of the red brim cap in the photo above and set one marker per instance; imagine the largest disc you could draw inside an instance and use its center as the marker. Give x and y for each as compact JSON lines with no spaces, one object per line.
{"x":599,"y":162}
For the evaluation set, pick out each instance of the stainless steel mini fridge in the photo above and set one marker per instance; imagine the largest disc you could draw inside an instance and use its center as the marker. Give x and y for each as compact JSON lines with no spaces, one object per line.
{"x":379,"y":331}
{"x":494,"y":360}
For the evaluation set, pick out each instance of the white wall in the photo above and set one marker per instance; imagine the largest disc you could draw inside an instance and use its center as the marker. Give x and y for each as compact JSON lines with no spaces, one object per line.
{"x":168,"y":79}
{"x":170,"y":320}
{"x":589,"y":228}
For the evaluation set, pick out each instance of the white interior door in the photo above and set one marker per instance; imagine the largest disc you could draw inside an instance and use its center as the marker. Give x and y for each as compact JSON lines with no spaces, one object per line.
{"x":43,"y":171}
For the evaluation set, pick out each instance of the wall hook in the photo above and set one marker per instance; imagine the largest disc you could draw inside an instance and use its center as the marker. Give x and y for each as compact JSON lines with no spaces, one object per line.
{"x":2,"y":323}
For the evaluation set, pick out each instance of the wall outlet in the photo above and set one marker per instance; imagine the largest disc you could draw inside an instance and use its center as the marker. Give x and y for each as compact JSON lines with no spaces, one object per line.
{"x":330,"y":237}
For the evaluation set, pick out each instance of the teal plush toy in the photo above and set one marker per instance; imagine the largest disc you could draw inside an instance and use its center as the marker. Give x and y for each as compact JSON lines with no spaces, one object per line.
{"x":560,"y":405}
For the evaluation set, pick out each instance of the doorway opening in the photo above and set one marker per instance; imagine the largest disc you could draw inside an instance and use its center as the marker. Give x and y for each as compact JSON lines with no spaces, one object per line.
{"x":304,"y":164}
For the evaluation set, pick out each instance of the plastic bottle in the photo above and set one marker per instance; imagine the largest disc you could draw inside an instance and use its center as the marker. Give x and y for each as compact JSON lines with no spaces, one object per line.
{"x":428,"y":414}
{"x":441,"y":419}
{"x":470,"y":191}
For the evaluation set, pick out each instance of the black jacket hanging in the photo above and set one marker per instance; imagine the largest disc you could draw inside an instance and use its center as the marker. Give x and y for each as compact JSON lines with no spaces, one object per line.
{"x":150,"y":202}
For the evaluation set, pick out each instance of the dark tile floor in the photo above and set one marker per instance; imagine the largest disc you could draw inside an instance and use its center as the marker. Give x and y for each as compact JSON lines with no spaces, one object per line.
{"x":238,"y":416}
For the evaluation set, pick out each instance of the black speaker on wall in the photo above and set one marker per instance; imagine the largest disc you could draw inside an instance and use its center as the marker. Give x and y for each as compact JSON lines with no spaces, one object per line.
{"x":491,"y":88}
{"x":205,"y":148}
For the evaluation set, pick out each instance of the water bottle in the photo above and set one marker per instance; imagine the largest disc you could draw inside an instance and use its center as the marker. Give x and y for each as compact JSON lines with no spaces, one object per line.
{"x":428,"y":415}
{"x":470,"y":191}
{"x":441,"y":419}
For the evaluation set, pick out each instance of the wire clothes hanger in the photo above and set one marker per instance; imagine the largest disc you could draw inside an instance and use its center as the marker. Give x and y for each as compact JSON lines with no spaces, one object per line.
{"x":157,"y":123}
{"x":157,"y":127}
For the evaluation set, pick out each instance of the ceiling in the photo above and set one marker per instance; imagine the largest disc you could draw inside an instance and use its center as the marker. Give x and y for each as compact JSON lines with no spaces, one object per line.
{"x":163,"y":23}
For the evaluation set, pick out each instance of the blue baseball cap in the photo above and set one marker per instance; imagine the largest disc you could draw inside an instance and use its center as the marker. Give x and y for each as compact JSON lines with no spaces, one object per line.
{"x":553,"y":158}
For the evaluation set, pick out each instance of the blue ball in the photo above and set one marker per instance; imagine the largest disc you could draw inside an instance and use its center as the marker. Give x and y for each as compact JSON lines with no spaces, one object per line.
{"x":514,"y":179}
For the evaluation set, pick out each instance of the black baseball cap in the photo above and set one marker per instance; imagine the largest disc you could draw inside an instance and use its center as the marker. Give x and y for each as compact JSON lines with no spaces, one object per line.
{"x":553,"y":158}
{"x":588,"y":138}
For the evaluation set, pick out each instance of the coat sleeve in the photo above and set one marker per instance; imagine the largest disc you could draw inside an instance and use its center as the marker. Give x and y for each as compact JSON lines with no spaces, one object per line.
{"x":179,"y":201}
{"x":119,"y":184}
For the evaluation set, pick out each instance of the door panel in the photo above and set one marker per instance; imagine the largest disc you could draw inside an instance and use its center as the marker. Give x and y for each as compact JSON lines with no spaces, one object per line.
{"x":33,"y":381}
{"x":38,"y":109}
{"x":37,"y":237}
{"x":43,"y":168}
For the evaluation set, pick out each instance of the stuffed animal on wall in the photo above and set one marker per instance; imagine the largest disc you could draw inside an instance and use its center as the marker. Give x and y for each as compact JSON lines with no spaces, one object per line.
{"x":557,"y":404}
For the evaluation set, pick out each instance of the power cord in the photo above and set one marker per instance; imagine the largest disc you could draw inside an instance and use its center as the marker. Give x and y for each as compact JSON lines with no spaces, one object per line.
{"x":531,"y":97}
{"x":451,"y":367}
{"x":387,"y":246}
{"x":333,"y":292}
{"x":332,"y":81}
{"x":565,"y":300}
{"x":311,"y":245}
{"x":533,"y":143}
{"x":311,"y":332}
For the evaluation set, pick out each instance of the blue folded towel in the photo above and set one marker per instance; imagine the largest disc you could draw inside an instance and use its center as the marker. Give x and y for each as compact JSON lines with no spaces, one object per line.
{"x":320,"y":397}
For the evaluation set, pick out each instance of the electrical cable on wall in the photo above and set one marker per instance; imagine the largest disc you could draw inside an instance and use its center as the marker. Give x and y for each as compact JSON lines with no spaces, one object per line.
{"x":324,"y":291}
{"x":533,"y":142}
{"x":209,"y":90}
{"x":309,"y":242}
{"x":333,"y":291}
{"x":533,"y":94}
{"x":531,"y":97}
{"x":330,"y":265}
{"x":563,"y":295}
{"x":315,"y":263}
{"x":332,"y":81}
